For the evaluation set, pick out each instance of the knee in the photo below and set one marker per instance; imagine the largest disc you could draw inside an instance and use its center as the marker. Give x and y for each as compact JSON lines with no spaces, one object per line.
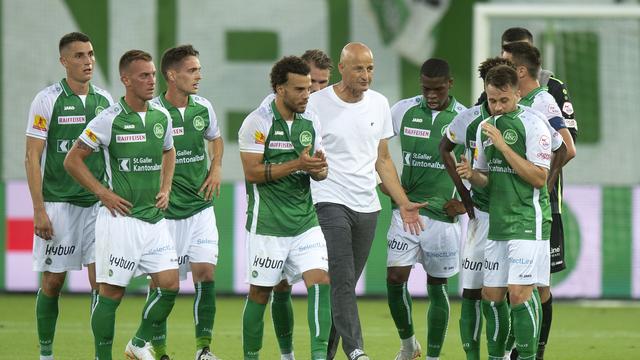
{"x":283,"y":286}
{"x":398,"y":275}
{"x":431,"y":280}
{"x":518,"y":297}
{"x":52,"y":283}
{"x":259,"y":294}
{"x":545,"y":293}
{"x":472,"y":294}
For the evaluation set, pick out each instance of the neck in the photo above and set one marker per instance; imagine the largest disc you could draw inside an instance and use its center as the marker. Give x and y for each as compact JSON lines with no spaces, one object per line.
{"x":348,"y":94}
{"x":135,"y":103}
{"x":176,"y":97}
{"x":78,"y":88}
{"x":284,"y":110}
{"x":528,"y":85}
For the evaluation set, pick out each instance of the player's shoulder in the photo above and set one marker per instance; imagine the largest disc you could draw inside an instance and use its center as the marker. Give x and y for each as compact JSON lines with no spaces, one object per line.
{"x":406,"y":104}
{"x":156,"y":101}
{"x":376,"y":96}
{"x":50,"y":92}
{"x":467,"y":115}
{"x":201,"y":101}
{"x":158,"y":107}
{"x":102,"y":92}
{"x":457,"y":106}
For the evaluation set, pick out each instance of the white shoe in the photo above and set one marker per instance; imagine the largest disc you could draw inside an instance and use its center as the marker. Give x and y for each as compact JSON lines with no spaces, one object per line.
{"x":205,"y":354}
{"x":288,"y":356}
{"x":410,"y":354}
{"x":46,"y":357}
{"x":135,"y":353}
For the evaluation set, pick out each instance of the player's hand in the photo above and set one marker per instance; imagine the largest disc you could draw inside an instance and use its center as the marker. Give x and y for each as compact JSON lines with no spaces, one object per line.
{"x":319,"y":173}
{"x":410,"y":214}
{"x":114,"y":203}
{"x":42,"y":224}
{"x":211,"y":185}
{"x":310,"y":164}
{"x":494,"y":134}
{"x":162,"y":200}
{"x":463,"y":168}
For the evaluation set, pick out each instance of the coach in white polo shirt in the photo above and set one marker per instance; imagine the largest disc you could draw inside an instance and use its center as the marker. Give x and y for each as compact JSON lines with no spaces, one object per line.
{"x":356,"y":123}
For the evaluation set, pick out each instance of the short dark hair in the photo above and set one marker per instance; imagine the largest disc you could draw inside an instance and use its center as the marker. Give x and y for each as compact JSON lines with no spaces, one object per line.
{"x":502,"y":76}
{"x":524,"y":54}
{"x":490,"y":63}
{"x":516,"y":34}
{"x":288,"y":64}
{"x":72,"y":37}
{"x":132,"y":55}
{"x":175,"y":55}
{"x":434,"y":68}
{"x":317,"y":58}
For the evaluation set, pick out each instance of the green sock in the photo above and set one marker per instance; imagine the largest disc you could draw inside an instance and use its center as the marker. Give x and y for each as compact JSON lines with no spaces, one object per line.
{"x":94,"y":299}
{"x":400,"y":306}
{"x":497,"y":315}
{"x":437,"y":318}
{"x":204,"y":312}
{"x":282,"y":316}
{"x":103,"y":320}
{"x":471,"y":327}
{"x":319,"y":317}
{"x":252,"y":329}
{"x":511,"y":340}
{"x":46,"y":317}
{"x":537,"y":303}
{"x":159,"y":336}
{"x":154,"y":313}
{"x":525,"y":329}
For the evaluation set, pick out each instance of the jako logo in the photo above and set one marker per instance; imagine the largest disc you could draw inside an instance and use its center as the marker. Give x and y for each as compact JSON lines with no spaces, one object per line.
{"x":397,"y":245}
{"x":267,"y":263}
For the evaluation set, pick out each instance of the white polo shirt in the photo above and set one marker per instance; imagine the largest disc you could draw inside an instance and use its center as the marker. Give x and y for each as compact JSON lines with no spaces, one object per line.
{"x":351,"y":133}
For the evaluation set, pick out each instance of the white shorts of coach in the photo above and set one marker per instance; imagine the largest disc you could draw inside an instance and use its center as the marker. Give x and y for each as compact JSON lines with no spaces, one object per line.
{"x":516,"y":262}
{"x":437,"y":248}
{"x":271,"y":257}
{"x":127,"y":247}
{"x":196,"y":240}
{"x":73,"y":239}
{"x":471,"y":274}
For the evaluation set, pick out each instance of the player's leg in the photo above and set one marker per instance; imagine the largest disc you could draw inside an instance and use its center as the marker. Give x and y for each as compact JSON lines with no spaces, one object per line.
{"x":204,"y":305}
{"x":253,"y":320}
{"x":103,"y":318}
{"x":47,"y":310}
{"x":88,"y":239}
{"x":494,"y":304}
{"x":282,"y":316}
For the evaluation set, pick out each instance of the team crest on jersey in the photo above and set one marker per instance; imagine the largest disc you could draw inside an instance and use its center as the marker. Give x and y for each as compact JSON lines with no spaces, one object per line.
{"x":305,"y":138}
{"x":419,"y":133}
{"x":130,"y":138}
{"x":158,"y":130}
{"x":92,"y":136}
{"x":259,"y":137}
{"x":510,"y":136}
{"x":40,"y":123}
{"x":472,"y":144}
{"x":69,"y":120}
{"x":99,"y":109}
{"x":198,"y":123}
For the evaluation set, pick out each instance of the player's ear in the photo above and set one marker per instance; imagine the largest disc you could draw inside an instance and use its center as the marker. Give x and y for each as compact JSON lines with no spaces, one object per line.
{"x":171,"y":75}
{"x":63,"y":61}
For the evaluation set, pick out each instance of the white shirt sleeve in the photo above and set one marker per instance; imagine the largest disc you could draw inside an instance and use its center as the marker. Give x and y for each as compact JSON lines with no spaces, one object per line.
{"x":457,"y":129}
{"x":168,"y":136}
{"x":317,"y":146}
{"x":556,"y":138}
{"x":479,"y":156}
{"x":39,"y":116}
{"x":538,"y":144}
{"x":397,"y":113}
{"x":253,"y":134}
{"x":387,"y":122}
{"x":213,"y":131}
{"x":98,"y":132}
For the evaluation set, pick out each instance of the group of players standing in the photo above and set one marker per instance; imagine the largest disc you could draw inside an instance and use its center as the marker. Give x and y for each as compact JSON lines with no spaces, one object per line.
{"x":310,"y":164}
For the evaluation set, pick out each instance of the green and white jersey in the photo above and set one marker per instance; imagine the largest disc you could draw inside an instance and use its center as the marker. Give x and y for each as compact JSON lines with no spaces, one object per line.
{"x":517,"y":209}
{"x":424,"y":177}
{"x":462,"y":131}
{"x":191,"y":126}
{"x":58,"y":116}
{"x":134,"y":143}
{"x":282,"y":207}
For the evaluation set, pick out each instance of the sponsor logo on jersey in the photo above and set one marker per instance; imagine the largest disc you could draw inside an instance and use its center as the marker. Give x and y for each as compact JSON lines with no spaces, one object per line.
{"x":471,"y":265}
{"x":177,"y":131}
{"x":198,"y":123}
{"x":553,"y":109}
{"x":99,"y":109}
{"x":130,"y":138}
{"x":59,"y":250}
{"x":267,"y":263}
{"x":121,"y":263}
{"x":571,"y":123}
{"x":305,"y":138}
{"x":278,"y":133}
{"x":567,"y":108}
{"x":129,"y":126}
{"x":39,"y":123}
{"x":259,"y":137}
{"x":158,"y":130}
{"x":63,"y":146}
{"x":91,"y":135}
{"x":281,"y":145}
{"x":543,"y":156}
{"x":510,"y":136}
{"x":416,"y":120}
{"x":69,"y":107}
{"x":394,"y":244}
{"x":491,"y":265}
{"x":124,"y":164}
{"x":545,"y":142}
{"x":419,"y":133}
{"x":66,"y":120}
{"x":452,"y":135}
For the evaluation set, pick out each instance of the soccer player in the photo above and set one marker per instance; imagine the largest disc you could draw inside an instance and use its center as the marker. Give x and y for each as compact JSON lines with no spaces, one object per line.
{"x":462,"y":131}
{"x":356,"y":123}
{"x":132,"y":237}
{"x":420,"y":121}
{"x":57,"y":116}
{"x":512,"y":158}
{"x":190,"y":215}
{"x":281,"y":308}
{"x":283,"y":234}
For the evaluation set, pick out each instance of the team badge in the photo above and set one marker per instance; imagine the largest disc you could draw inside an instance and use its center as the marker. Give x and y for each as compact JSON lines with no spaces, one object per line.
{"x":198,"y":123}
{"x":48,"y":261}
{"x":40,"y":123}
{"x":158,"y":130}
{"x":510,"y":136}
{"x":99,"y":110}
{"x":305,"y":138}
{"x":254,"y":274}
{"x":110,"y":272}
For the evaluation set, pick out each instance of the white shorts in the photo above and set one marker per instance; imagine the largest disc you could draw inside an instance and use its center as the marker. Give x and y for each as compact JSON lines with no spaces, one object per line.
{"x":471,"y":274}
{"x":516,"y":262}
{"x":196,"y":239}
{"x":127,"y":247}
{"x":271,"y":257}
{"x":73,"y":239}
{"x":437,"y":248}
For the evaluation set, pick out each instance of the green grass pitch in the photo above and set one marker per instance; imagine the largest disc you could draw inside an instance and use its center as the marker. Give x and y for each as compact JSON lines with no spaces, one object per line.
{"x":594,"y":330}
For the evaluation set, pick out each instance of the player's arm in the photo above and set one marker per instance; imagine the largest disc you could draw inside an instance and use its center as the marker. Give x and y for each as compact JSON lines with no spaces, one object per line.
{"x":557,"y":161}
{"x":41,"y":222}
{"x":167,"y":169}
{"x":321,"y":173}
{"x":446,"y":147}
{"x":211,"y":185}
{"x":560,"y":94}
{"x":75,"y":166}
{"x":257,"y":172}
{"x":409,"y":211}
{"x":475,"y":177}
{"x":570,"y":151}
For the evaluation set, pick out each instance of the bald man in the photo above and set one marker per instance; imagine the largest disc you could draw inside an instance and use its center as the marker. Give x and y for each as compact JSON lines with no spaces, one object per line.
{"x":356,"y":123}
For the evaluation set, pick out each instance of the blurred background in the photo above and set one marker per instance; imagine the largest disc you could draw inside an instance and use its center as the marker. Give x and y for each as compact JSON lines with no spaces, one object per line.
{"x":592,"y":45}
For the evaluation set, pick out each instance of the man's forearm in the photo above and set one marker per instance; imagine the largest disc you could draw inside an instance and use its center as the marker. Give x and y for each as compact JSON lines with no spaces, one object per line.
{"x":34,"y":180}
{"x":387,"y":172}
{"x":216,"y":151}
{"x":527,"y":170}
{"x":168,"y":167}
